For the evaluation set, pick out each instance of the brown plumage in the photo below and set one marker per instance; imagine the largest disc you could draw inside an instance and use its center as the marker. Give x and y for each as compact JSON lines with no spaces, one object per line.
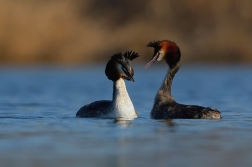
{"x":165,"y":107}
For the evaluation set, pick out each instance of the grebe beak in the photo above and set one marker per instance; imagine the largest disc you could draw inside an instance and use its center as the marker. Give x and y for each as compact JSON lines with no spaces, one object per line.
{"x":153,"y":60}
{"x":128,"y":74}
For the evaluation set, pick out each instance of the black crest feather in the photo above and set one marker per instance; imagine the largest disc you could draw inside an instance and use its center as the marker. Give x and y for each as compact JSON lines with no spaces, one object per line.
{"x":117,"y":56}
{"x":153,"y":44}
{"x":130,"y":55}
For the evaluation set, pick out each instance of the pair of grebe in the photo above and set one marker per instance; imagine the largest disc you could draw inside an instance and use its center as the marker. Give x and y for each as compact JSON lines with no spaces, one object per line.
{"x":164,"y":107}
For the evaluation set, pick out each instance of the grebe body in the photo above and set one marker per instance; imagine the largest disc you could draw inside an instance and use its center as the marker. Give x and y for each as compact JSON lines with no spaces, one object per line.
{"x":121,"y":105}
{"x":165,"y":107}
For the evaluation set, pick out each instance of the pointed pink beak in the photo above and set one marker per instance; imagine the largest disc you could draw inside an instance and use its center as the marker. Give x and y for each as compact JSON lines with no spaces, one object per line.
{"x":153,"y":60}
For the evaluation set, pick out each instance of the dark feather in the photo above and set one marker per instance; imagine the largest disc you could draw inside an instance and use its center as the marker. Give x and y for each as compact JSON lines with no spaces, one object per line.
{"x":181,"y":111}
{"x":117,"y":56}
{"x":95,"y":109}
{"x":153,"y":44}
{"x":131,"y":55}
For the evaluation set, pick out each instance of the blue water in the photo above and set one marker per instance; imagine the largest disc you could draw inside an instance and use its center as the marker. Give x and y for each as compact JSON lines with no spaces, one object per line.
{"x":38,"y":126}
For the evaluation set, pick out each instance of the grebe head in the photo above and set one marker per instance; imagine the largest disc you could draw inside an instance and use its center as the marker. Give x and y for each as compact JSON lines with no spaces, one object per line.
{"x":113,"y":70}
{"x":166,"y":50}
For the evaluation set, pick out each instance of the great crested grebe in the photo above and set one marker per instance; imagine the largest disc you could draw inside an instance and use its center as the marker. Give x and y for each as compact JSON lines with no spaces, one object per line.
{"x":165,"y":107}
{"x":121,"y":105}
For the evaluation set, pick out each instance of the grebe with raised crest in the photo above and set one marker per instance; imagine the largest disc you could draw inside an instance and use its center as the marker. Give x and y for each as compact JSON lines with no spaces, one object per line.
{"x":121,"y":105}
{"x":165,"y":107}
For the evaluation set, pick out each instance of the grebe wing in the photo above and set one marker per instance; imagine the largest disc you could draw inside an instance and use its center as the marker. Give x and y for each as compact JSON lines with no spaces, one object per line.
{"x":95,"y":109}
{"x":192,"y":111}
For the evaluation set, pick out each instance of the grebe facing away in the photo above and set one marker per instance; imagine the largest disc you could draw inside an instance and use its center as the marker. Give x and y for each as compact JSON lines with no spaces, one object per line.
{"x":121,"y":105}
{"x":165,"y":107}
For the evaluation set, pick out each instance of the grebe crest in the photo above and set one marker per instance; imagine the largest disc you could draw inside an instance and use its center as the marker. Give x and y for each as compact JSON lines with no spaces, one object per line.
{"x":113,"y":71}
{"x":165,"y":107}
{"x":167,"y":50}
{"x":117,"y":69}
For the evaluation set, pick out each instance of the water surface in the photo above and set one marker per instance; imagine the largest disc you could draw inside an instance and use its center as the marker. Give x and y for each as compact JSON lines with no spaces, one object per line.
{"x":38,"y":126}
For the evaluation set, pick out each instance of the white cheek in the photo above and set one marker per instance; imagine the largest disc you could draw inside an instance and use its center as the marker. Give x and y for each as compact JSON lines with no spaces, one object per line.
{"x":160,"y":56}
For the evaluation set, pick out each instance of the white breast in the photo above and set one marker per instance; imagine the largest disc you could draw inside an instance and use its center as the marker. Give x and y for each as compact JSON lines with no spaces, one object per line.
{"x":122,"y":104}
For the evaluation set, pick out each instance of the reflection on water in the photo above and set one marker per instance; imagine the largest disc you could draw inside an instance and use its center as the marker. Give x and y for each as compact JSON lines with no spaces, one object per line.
{"x":169,"y":122}
{"x":39,"y":127}
{"x":123,"y":123}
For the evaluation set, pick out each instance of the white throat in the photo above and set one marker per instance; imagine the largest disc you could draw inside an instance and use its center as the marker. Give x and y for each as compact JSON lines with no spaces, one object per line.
{"x":122,"y":104}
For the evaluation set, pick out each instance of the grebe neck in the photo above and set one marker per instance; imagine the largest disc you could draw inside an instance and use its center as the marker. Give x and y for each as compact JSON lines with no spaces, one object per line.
{"x":119,"y":89}
{"x":164,"y":92}
{"x":120,"y":94}
{"x":122,"y":103}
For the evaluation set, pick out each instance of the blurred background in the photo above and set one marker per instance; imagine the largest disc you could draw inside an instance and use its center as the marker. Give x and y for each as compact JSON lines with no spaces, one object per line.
{"x":76,"y":32}
{"x":38,"y":105}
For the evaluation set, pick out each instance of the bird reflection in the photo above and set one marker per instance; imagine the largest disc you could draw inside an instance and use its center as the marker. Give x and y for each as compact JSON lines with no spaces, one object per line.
{"x":124,"y":123}
{"x":169,"y":122}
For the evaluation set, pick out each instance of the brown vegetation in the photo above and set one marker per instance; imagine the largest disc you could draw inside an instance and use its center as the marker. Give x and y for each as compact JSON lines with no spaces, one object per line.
{"x":77,"y":31}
